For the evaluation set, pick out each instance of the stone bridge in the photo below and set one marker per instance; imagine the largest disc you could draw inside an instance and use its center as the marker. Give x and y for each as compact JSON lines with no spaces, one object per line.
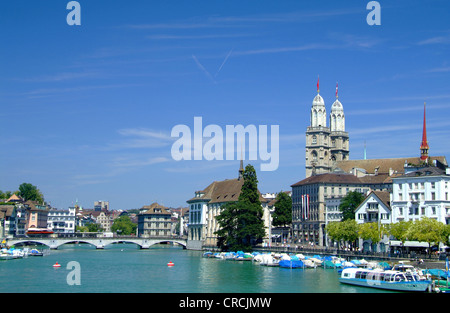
{"x":98,"y":242}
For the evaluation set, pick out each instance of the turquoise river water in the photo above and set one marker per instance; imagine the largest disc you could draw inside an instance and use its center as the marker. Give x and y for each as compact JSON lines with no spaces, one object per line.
{"x":123,"y":268}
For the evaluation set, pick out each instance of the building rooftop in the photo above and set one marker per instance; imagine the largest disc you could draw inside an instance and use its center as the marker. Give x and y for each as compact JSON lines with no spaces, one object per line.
{"x":383,"y":166}
{"x":222,"y":191}
{"x":154,"y":208}
{"x":329,"y":178}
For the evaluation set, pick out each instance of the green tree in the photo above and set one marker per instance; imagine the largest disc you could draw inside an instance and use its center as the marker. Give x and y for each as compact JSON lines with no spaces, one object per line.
{"x":240,"y":223}
{"x":446,"y":235}
{"x":7,"y":194}
{"x":349,"y":230}
{"x":29,"y":192}
{"x":343,"y":231}
{"x":399,"y":230}
{"x":349,"y":204}
{"x":334,"y":231}
{"x":228,"y":222}
{"x":372,"y":231}
{"x":123,"y":226}
{"x":94,"y":227}
{"x":282,"y":215}
{"x":427,"y":230}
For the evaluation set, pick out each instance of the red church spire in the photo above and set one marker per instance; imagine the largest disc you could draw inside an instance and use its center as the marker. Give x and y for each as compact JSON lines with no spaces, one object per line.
{"x":424,"y":144}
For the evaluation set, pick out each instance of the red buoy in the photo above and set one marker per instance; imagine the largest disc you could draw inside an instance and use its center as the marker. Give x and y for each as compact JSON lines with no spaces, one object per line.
{"x":56,"y":265}
{"x":170,"y":264}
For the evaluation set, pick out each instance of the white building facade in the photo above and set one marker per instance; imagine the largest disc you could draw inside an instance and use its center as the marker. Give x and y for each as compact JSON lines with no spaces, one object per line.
{"x":62,"y":221}
{"x":422,"y":193}
{"x":375,"y":209}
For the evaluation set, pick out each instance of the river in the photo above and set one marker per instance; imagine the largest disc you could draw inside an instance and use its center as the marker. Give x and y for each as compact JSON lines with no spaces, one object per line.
{"x":123,"y":268}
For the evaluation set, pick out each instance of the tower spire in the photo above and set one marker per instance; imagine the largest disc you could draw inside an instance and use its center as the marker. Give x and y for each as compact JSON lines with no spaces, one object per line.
{"x":424,"y":144}
{"x":317,"y":83}
{"x":241,"y":167}
{"x":337,"y":90}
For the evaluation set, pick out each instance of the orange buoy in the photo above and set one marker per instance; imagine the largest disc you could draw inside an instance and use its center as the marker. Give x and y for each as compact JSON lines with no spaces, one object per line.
{"x":56,"y":265}
{"x":170,"y":264}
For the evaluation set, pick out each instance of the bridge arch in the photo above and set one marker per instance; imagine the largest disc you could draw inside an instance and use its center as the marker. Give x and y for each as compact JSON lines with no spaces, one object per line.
{"x":99,"y":243}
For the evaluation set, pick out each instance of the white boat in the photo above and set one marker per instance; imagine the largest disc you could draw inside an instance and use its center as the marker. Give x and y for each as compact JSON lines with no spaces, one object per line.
{"x":348,"y":264}
{"x":6,"y":256}
{"x":410,"y":270}
{"x":309,"y":263}
{"x":300,"y":256}
{"x":316,"y":261}
{"x":390,"y":280}
{"x":269,"y":260}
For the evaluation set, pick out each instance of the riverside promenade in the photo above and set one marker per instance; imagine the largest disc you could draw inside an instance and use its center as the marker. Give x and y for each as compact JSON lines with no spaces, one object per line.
{"x":429,"y":261}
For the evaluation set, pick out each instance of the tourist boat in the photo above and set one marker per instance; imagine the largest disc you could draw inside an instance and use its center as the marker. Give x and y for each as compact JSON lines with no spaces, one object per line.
{"x":390,"y":279}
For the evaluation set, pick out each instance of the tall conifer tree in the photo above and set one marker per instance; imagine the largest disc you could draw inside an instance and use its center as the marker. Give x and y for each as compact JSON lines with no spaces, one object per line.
{"x":241,"y":223}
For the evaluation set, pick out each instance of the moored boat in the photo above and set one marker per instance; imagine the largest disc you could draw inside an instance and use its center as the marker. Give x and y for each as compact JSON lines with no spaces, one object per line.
{"x":389,"y":280}
{"x":268,"y":260}
{"x":291,"y":264}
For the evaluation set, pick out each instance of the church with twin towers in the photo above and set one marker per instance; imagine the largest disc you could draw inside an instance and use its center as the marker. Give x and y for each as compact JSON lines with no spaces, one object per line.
{"x":325,"y":145}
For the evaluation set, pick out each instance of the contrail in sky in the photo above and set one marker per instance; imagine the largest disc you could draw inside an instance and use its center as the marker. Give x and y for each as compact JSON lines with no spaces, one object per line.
{"x":223,"y":63}
{"x":203,"y":68}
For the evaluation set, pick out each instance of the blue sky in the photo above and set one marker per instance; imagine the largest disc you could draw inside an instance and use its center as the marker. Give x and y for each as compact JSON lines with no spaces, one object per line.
{"x":87,"y":110}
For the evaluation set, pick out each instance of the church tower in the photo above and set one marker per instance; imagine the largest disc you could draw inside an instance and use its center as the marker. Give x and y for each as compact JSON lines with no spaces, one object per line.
{"x":317,"y":139}
{"x":424,"y":144}
{"x":338,"y":137}
{"x":325,"y":145}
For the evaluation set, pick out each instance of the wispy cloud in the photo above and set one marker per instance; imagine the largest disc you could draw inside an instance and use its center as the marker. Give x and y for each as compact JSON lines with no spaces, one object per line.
{"x":288,"y":17}
{"x":138,"y":138}
{"x":59,"y":77}
{"x":442,"y":69}
{"x":137,"y":162}
{"x":51,"y":91}
{"x":312,"y":46}
{"x":435,"y":40}
{"x":251,"y":20}
{"x":211,"y":36}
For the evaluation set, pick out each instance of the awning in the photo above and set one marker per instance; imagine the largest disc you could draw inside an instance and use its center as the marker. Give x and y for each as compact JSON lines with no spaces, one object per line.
{"x":417,"y":244}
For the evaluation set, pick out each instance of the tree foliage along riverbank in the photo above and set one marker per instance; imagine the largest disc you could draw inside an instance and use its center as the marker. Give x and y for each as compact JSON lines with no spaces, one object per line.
{"x":240,"y":223}
{"x":425,"y":230}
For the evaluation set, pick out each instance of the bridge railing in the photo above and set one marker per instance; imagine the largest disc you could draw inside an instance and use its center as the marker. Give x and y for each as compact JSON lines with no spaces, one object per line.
{"x":96,"y":235}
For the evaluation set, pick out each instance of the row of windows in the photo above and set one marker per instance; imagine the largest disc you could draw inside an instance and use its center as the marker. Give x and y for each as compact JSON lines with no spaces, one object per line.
{"x":373,"y":216}
{"x":420,"y":185}
{"x":416,"y":210}
{"x":160,"y":225}
{"x":419,"y":196}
